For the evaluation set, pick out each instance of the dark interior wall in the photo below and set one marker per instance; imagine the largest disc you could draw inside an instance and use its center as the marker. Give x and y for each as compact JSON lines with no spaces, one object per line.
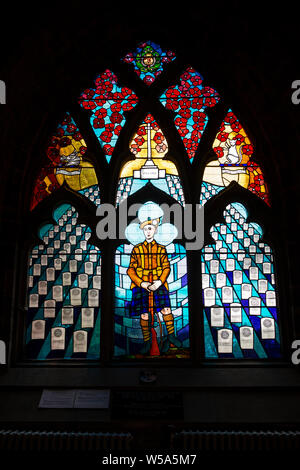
{"x":248,"y":56}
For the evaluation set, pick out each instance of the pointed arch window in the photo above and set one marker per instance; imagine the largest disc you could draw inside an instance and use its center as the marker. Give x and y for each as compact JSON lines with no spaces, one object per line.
{"x":169,"y":140}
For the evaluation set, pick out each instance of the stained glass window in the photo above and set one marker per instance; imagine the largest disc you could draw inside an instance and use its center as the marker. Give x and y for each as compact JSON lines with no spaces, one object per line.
{"x":149,"y":60}
{"x":234,"y":151}
{"x":151,"y":292}
{"x":189,"y":101}
{"x":152,"y":303}
{"x":64,"y":286}
{"x":149,"y":147}
{"x":239,"y":291}
{"x":107,"y":103}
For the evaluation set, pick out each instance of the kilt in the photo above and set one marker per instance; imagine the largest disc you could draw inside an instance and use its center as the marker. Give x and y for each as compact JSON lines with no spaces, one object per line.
{"x":140,"y":300}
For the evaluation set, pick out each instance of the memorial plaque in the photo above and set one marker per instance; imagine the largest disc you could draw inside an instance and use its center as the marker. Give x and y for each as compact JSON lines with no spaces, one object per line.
{"x":58,"y":338}
{"x":93,"y":298}
{"x":227,"y":295}
{"x":67,"y":316}
{"x":49,"y":308}
{"x":220,"y":280}
{"x":209,"y":296}
{"x":83,"y":280}
{"x":34,"y":300}
{"x":254,"y":305}
{"x":225,"y":341}
{"x":267,"y":328}
{"x":38,"y":329}
{"x":75,"y":294}
{"x":50,"y":274}
{"x":230,"y":264}
{"x":80,"y":341}
{"x":246,"y":337}
{"x":87,"y":318}
{"x":217,"y":316}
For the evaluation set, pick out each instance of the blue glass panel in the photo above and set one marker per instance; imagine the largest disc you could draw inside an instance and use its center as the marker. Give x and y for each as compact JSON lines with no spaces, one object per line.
{"x":64,"y":280}
{"x":239,"y":291}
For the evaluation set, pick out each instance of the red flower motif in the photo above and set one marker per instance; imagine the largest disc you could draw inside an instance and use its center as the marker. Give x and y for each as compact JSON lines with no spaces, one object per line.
{"x":236,"y":126}
{"x":101,"y":113}
{"x":184,"y":88}
{"x":194,"y":91}
{"x":196,"y":80}
{"x":127,"y":106}
{"x":185,"y":113}
{"x":187,"y":75}
{"x":172,"y":104}
{"x":77,"y":136}
{"x":210,"y":101}
{"x":54,"y":141}
{"x":197,"y":103}
{"x":199,"y":126}
{"x":99,"y":102}
{"x":98,"y":123}
{"x":141,"y":130}
{"x":71,"y":128}
{"x":135,"y":148}
{"x":196,"y":135}
{"x":116,"y":118}
{"x":60,"y":132}
{"x":126,"y":92}
{"x":66,"y":120}
{"x":88,"y":94}
{"x":82,"y":150}
{"x":161,"y":147}
{"x":117,"y":130}
{"x":247,"y":149}
{"x":139,"y":141}
{"x":199,"y":116}
{"x":185,"y":103}
{"x":230,"y":118}
{"x":106,"y":136}
{"x":239,"y":138}
{"x":180,"y":122}
{"x":148,"y":79}
{"x":116,"y":107}
{"x":172,"y":93}
{"x":158,"y":138}
{"x":219,"y":151}
{"x":90,"y":104}
{"x":149,"y":118}
{"x":129,"y":58}
{"x":183,"y":131}
{"x":65,"y":141}
{"x":222,"y":137}
{"x":108,"y":149}
{"x":207,"y":91}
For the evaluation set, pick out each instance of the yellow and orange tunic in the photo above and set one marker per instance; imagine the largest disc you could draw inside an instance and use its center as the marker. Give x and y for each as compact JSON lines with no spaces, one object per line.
{"x":149,"y":262}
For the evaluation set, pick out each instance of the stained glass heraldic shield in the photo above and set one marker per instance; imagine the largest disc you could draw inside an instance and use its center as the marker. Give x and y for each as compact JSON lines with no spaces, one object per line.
{"x":152,"y":298}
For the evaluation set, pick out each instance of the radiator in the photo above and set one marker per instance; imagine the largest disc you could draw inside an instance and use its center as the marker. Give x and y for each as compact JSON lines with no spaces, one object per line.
{"x":14,"y":440}
{"x":236,"y":440}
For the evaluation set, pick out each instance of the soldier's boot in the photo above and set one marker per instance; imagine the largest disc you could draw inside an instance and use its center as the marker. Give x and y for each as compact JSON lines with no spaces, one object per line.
{"x":145,"y":349}
{"x":171,"y":339}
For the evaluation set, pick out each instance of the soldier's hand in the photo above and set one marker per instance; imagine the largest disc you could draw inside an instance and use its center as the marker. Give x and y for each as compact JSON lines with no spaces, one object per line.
{"x":145,"y":285}
{"x":155,"y":285}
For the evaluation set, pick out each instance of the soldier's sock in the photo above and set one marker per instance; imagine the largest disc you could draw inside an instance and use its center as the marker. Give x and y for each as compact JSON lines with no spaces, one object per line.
{"x":145,"y":329}
{"x":169,"y":322}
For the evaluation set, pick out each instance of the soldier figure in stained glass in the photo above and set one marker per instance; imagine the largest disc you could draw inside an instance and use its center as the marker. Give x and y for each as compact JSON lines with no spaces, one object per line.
{"x":148,"y":270}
